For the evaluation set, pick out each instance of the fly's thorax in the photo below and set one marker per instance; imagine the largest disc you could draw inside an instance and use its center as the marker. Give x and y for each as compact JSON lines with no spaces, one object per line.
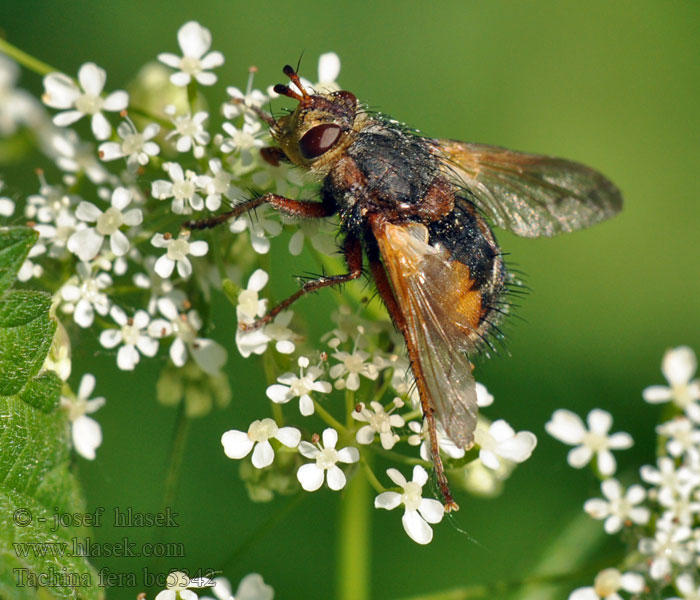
{"x":317,"y":134}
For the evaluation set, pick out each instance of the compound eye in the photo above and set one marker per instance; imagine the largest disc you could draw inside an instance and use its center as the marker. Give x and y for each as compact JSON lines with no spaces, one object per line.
{"x":319,"y":140}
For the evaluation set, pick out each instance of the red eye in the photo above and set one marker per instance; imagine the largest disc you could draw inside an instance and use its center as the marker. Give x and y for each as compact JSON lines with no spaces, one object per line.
{"x":319,"y":140}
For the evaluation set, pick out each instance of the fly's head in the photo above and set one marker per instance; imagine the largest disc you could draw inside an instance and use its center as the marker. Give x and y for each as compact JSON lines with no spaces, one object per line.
{"x":316,"y":134}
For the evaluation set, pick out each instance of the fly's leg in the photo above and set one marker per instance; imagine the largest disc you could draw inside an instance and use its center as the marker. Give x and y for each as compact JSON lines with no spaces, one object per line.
{"x":352,"y":250}
{"x":296,"y":208}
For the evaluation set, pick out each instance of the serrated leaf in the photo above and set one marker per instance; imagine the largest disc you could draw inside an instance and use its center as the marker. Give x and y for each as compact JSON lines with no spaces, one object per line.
{"x":43,"y":392}
{"x":36,"y":480}
{"x":15,"y":244}
{"x":26,"y":331}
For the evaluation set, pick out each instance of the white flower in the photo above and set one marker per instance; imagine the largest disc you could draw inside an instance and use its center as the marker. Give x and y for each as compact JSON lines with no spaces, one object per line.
{"x":7,"y":207}
{"x":86,"y":243}
{"x":682,"y":436}
{"x":420,"y":436}
{"x":326,"y":456}
{"x":419,"y":511}
{"x":219,"y":185}
{"x":678,"y":366}
{"x":318,"y":231}
{"x":250,"y":98}
{"x":29,"y":268}
{"x":133,"y":335}
{"x":608,"y":583}
{"x":183,"y":188}
{"x":136,"y":147}
{"x":238,"y":444}
{"x":61,"y":92}
{"x":378,"y":422}
{"x":328,"y":71}
{"x":687,"y":586}
{"x":251,"y":587}
{"x":73,"y":155}
{"x":278,"y":330}
{"x":159,"y":287}
{"x":618,"y":507}
{"x":86,"y":432}
{"x":300,"y":386}
{"x":177,"y":586}
{"x":249,"y":308}
{"x":499,"y":441}
{"x":668,"y":478}
{"x":208,"y":354}
{"x":567,"y":427}
{"x":83,"y":295}
{"x":245,"y":140}
{"x":190,"y":131}
{"x":194,"y":41}
{"x":177,"y":251}
{"x":350,"y":366}
{"x":679,"y":506}
{"x":259,"y":227}
{"x":670,"y":546}
{"x":483,"y":397}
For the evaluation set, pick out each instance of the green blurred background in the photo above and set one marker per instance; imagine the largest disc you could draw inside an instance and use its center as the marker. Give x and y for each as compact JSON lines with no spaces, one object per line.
{"x":615,"y":85}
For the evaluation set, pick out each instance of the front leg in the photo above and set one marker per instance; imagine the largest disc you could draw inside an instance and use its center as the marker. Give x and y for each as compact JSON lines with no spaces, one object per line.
{"x":295,"y":208}
{"x":352,"y":249}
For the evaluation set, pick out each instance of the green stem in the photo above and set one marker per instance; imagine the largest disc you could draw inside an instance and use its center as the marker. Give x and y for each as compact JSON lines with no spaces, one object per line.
{"x":372,"y":478}
{"x":233,"y":561}
{"x":177,"y":452}
{"x":353,"y":567}
{"x":24,"y":59}
{"x":500,"y":588}
{"x":328,"y":417}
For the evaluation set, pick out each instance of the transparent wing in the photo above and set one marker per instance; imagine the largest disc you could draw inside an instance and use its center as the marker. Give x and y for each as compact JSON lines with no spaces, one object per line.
{"x":529,"y":194}
{"x":440,"y":311}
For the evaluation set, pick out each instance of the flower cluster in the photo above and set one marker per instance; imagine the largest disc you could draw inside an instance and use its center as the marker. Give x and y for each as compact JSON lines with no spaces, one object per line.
{"x":122,"y":268}
{"x":659,"y":515}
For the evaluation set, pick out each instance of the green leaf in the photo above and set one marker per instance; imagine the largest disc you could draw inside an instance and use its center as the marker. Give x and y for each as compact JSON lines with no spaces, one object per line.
{"x":36,"y":479}
{"x":15,"y":244}
{"x":26,"y":331}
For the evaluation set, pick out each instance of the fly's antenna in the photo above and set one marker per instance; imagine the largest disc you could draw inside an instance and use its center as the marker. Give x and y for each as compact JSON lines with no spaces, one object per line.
{"x":285,"y":90}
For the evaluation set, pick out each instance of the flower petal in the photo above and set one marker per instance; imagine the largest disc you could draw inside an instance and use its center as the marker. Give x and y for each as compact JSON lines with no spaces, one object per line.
{"x":308,"y":450}
{"x":606,"y":463}
{"x":431,"y":510}
{"x":397,"y":477}
{"x":236,"y":444}
{"x":330,"y":437}
{"x":416,"y":527}
{"x":289,"y":436}
{"x":68,"y":117}
{"x":336,"y":478}
{"x":116,"y":101}
{"x":194,"y":40}
{"x":310,"y":477}
{"x":679,"y":365}
{"x":579,"y":457}
{"x":348,"y":455}
{"x":599,"y":421}
{"x":92,"y":78}
{"x":263,"y":455}
{"x":85,"y":243}
{"x":87,"y":436}
{"x":566,"y":426}
{"x":387,"y":500}
{"x":100,"y":126}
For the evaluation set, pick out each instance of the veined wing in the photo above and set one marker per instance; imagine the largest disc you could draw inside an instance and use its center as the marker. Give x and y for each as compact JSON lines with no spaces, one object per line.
{"x":440,"y":312}
{"x":529,"y":194}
